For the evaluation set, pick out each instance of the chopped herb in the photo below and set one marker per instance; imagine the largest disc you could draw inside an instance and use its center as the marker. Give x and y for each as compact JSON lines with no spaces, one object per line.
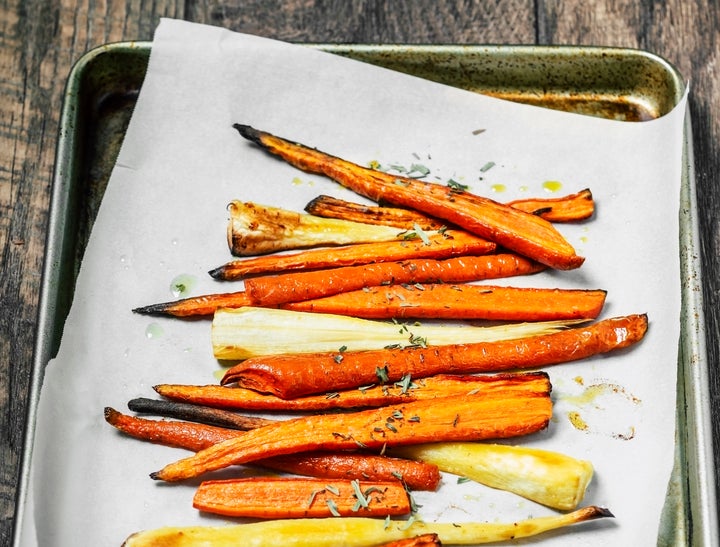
{"x":378,"y":429}
{"x":342,"y":349}
{"x":405,"y":383}
{"x":418,"y":170}
{"x":365,"y":388}
{"x":382,"y":450}
{"x":461,"y":480}
{"x":362,"y":500}
{"x":408,"y":523}
{"x":332,"y":489}
{"x":401,"y":182}
{"x":421,"y":234}
{"x":338,"y":358}
{"x":456,"y":420}
{"x":397,"y":475}
{"x":397,"y":414}
{"x":382,"y":374}
{"x":393,"y":346}
{"x":386,"y":525}
{"x":419,"y":286}
{"x":414,"y":419}
{"x":374,"y":164}
{"x":333,"y":507}
{"x":418,"y":341}
{"x":360,"y":444}
{"x":314,"y":495}
{"x":391,"y":427}
{"x":489,"y":165}
{"x":455,"y":186}
{"x":332,"y":395}
{"x":478,"y":131}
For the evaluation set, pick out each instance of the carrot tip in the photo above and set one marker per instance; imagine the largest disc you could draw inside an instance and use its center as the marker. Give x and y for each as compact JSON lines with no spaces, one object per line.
{"x":248,"y":132}
{"x":153,"y":309}
{"x":218,"y":273}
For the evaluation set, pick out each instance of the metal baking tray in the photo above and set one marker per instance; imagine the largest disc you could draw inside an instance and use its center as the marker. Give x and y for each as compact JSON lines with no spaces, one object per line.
{"x":623,"y":84}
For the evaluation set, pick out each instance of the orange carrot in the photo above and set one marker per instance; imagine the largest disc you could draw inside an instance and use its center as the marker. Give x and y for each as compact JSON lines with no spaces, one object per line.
{"x":439,"y":301}
{"x":290,"y":376}
{"x":573,"y":207}
{"x":465,"y":417}
{"x":277,"y":498}
{"x":438,"y":246}
{"x":569,"y":208}
{"x":524,"y":233}
{"x":297,"y":286}
{"x":330,"y":207}
{"x":279,"y":289}
{"x":405,"y":390}
{"x":342,"y":465}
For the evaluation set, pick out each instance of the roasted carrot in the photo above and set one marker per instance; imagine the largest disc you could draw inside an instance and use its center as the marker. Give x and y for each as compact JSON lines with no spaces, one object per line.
{"x":571,"y":208}
{"x":438,"y":246}
{"x":290,"y":376}
{"x":440,"y":301}
{"x":330,"y":207}
{"x":260,"y":229}
{"x":290,"y":497}
{"x":358,"y":531}
{"x":274,"y":290}
{"x":193,"y":436}
{"x":464,"y":417}
{"x":297,"y":286}
{"x":524,"y":233}
{"x":196,"y":413}
{"x":405,"y":390}
{"x":176,"y":434}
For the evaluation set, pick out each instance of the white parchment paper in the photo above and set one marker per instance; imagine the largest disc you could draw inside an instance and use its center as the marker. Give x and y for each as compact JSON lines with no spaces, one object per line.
{"x":164,"y":215}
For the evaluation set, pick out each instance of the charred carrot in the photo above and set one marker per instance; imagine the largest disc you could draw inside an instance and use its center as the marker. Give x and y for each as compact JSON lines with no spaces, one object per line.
{"x":358,"y":532}
{"x":416,"y":475}
{"x":465,"y":417}
{"x":405,"y":390}
{"x":524,"y":233}
{"x":571,"y":208}
{"x":440,"y":301}
{"x":289,"y":497}
{"x":260,"y":229}
{"x":295,"y":286}
{"x":330,"y":207}
{"x":289,"y":376}
{"x":196,"y":413}
{"x":438,"y":246}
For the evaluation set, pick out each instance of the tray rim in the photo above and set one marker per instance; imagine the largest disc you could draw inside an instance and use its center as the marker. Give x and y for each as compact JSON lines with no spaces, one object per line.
{"x":692,"y":361}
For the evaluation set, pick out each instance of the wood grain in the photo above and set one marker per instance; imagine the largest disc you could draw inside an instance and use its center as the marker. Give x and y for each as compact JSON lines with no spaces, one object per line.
{"x":40,"y":40}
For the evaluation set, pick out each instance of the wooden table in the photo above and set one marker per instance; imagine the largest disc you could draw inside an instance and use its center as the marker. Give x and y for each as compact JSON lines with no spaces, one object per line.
{"x":40,"y":40}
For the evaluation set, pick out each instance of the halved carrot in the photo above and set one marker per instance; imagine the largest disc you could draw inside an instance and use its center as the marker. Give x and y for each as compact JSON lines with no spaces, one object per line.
{"x":274,"y":290}
{"x":423,"y":540}
{"x":295,"y":375}
{"x":441,"y":301}
{"x":297,"y":286}
{"x":570,"y":208}
{"x":438,"y":246}
{"x":330,"y":207}
{"x":524,"y":233}
{"x":342,"y":465}
{"x":405,"y":390}
{"x":464,"y":417}
{"x":288,"y":497}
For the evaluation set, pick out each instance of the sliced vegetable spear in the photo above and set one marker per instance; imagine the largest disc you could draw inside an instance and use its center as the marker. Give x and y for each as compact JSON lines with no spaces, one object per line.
{"x":357,"y":531}
{"x":295,"y":375}
{"x":247,"y":332}
{"x":437,"y":246}
{"x":511,"y":228}
{"x":442,"y":301}
{"x":465,"y":417}
{"x":275,"y":290}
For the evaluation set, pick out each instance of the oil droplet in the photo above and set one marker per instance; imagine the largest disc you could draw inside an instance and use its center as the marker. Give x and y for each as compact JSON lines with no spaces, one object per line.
{"x":552,"y":185}
{"x":583,"y":239}
{"x":182,"y":284}
{"x":297,"y":181}
{"x":498,"y":188}
{"x":523,"y":188}
{"x":577,"y":421}
{"x":154,"y":330}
